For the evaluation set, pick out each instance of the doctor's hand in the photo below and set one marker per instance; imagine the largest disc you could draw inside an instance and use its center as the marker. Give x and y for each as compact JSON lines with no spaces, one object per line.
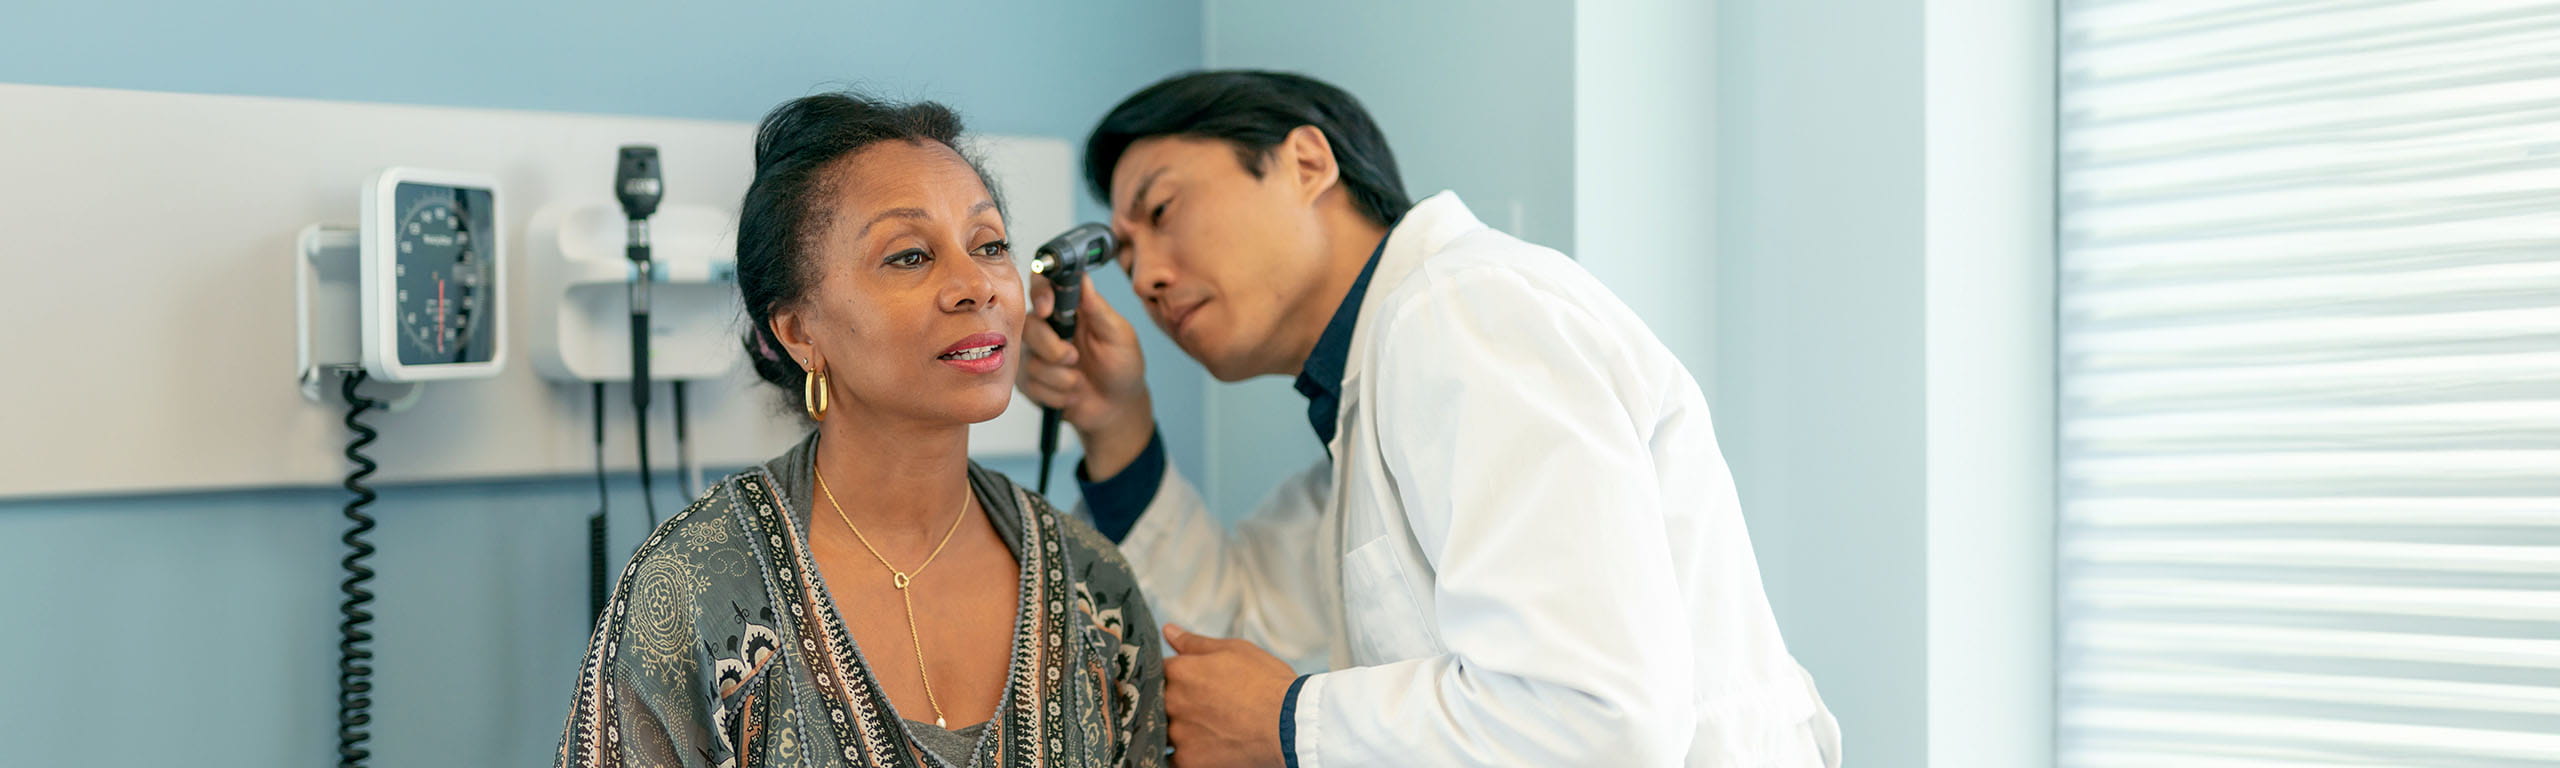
{"x":1222,"y":701}
{"x":1099,"y":382}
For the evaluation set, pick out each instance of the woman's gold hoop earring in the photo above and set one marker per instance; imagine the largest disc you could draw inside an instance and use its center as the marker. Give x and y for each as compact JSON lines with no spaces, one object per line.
{"x":813,"y":395}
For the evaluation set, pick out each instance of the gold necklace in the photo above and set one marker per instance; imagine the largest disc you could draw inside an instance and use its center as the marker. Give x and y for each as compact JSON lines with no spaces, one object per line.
{"x":900,"y":580}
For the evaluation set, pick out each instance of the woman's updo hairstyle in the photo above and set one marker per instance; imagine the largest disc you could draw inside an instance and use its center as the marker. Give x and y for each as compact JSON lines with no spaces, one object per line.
{"x":788,"y":205}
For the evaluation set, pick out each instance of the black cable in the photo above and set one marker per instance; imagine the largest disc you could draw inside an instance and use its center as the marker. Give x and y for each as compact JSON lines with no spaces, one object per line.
{"x":691,"y":475}
{"x":648,"y":498}
{"x":596,"y":544}
{"x":1048,"y":445}
{"x":638,"y":251}
{"x":355,"y":668}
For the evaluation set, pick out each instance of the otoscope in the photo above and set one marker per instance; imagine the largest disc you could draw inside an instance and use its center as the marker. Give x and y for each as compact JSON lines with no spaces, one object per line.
{"x":1063,"y":261}
{"x":635,"y":183}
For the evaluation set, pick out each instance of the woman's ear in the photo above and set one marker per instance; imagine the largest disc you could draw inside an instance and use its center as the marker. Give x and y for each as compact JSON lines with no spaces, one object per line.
{"x":792,"y":329}
{"x":1308,"y":159}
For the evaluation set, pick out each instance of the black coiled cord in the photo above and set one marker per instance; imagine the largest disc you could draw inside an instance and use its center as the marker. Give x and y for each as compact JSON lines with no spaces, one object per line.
{"x":355,"y":656}
{"x":596,"y":522}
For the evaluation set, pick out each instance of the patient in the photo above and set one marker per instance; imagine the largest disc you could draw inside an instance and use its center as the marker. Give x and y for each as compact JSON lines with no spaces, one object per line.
{"x":872,"y":597}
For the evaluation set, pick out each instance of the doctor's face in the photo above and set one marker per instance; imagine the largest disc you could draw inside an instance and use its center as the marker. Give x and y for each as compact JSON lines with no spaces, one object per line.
{"x":1228,"y":263}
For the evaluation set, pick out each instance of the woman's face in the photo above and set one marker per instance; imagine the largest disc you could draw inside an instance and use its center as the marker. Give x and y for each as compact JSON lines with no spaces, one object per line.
{"x":915,"y":303}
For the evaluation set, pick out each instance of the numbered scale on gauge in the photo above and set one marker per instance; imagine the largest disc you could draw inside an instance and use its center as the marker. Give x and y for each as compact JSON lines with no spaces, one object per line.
{"x":435,"y":237}
{"x":440,"y":273}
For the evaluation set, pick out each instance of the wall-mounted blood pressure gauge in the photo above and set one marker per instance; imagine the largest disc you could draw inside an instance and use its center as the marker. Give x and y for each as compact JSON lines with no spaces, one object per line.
{"x":431,"y":276}
{"x":415,"y":292}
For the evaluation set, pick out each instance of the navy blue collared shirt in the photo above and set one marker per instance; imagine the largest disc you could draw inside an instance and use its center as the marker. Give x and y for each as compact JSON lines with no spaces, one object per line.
{"x":1321,"y":378}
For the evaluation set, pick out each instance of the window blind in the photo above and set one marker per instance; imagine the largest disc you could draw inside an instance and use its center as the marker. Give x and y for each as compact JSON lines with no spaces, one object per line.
{"x":2310,"y":383}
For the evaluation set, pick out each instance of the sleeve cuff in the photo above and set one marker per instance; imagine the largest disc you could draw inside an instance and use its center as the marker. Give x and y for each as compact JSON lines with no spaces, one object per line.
{"x":1118,"y":500}
{"x":1289,"y":722}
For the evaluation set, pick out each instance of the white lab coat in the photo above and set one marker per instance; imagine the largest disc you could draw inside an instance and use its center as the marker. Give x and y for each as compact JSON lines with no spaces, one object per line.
{"x":1526,"y":551}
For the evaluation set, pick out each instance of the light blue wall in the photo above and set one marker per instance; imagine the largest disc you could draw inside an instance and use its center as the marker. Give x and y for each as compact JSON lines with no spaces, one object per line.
{"x":1476,"y":98}
{"x":1451,"y":83}
{"x":1644,"y":166}
{"x":201,"y":628}
{"x":1820,"y":382}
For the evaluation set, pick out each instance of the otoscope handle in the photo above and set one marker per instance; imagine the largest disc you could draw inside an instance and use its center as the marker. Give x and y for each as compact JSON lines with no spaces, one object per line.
{"x":1048,"y":444}
{"x":1063,"y":301}
{"x":1062,"y":318}
{"x":1063,"y":261}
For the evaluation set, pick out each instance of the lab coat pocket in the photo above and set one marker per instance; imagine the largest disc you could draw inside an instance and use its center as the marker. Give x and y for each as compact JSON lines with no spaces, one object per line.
{"x":1380,"y":613}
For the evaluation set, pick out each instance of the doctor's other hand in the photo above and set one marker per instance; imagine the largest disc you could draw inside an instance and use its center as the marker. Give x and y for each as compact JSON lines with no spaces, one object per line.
{"x":1222,"y":701}
{"x":1099,"y":382}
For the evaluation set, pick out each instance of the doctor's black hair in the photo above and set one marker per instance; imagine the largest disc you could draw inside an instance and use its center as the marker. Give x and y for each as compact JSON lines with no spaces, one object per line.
{"x":1254,"y":110}
{"x":786,"y":213}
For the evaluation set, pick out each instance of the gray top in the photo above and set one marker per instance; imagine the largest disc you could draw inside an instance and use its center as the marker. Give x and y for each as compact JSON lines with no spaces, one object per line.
{"x":953,"y":748}
{"x":722,"y":647}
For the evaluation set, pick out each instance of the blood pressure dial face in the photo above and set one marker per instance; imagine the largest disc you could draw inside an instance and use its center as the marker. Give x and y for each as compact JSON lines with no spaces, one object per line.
{"x":442,"y":272}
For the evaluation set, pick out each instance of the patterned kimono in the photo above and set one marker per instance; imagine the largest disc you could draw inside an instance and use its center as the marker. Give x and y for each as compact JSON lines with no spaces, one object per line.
{"x":721,"y":647}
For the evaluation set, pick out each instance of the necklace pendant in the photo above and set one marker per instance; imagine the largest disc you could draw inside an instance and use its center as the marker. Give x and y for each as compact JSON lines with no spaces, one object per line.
{"x":938,"y":723}
{"x":898,"y":580}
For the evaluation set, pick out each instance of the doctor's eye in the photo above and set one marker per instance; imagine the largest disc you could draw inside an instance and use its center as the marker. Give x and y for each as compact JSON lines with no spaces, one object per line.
{"x":1155,"y":216}
{"x":912,"y":257}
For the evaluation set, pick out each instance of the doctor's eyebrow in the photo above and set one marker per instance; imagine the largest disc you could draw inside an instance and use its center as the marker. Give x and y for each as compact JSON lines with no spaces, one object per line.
{"x":1120,"y":238}
{"x":1145,"y":183}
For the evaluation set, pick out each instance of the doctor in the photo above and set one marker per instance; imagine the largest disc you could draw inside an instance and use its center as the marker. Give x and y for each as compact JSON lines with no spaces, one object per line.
{"x":1524,"y":548}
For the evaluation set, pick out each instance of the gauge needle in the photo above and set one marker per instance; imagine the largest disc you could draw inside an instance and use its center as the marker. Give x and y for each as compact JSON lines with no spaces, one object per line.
{"x":439,"y":314}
